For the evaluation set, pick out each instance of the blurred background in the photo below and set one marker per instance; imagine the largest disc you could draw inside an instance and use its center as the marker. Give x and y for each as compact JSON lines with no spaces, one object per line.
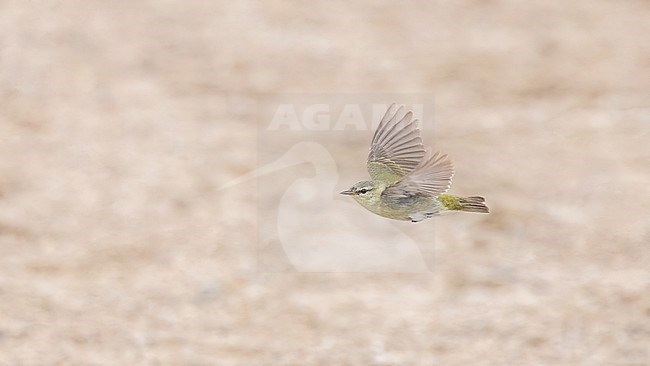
{"x":119,"y":120}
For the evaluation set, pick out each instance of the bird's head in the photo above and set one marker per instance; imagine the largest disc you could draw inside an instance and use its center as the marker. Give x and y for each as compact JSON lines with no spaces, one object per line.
{"x":367,"y":192}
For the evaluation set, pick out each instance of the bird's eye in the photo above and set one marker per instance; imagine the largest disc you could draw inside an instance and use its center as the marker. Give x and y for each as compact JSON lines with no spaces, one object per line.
{"x":363,"y":190}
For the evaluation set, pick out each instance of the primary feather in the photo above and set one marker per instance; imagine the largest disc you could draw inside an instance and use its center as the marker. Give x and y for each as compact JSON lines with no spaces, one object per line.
{"x":396,"y":147}
{"x":431,"y":178}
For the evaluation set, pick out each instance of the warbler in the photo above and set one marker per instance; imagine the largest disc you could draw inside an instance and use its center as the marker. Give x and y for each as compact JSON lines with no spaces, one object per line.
{"x":407,"y":181}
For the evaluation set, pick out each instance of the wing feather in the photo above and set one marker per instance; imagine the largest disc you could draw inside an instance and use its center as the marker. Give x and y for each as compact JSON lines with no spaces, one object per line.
{"x":396,"y":147}
{"x":431,"y":177}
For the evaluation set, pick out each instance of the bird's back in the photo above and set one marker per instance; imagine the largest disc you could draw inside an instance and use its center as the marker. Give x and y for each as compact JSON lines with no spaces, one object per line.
{"x":408,"y":207}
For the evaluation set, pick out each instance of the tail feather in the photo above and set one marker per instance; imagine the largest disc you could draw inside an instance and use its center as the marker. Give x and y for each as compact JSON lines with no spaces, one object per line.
{"x":466,"y":204}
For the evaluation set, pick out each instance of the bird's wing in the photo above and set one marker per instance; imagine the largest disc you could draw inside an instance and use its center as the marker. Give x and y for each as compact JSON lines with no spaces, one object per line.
{"x":396,"y":147}
{"x":430,"y":178}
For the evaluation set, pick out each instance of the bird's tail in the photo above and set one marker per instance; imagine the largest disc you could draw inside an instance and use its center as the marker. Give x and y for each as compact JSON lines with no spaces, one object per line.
{"x":467,"y":204}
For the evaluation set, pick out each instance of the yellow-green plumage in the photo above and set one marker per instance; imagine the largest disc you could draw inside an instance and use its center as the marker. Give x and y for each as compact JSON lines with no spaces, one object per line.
{"x":407,"y":182}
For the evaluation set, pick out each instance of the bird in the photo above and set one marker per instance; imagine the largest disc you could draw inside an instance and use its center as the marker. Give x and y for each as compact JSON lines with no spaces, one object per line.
{"x":408,"y":182}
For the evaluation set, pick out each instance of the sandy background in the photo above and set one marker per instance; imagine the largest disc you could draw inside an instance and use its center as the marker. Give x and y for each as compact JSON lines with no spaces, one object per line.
{"x":119,"y":119}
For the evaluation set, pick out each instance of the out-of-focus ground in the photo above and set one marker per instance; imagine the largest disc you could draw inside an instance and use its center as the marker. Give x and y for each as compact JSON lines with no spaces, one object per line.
{"x":118,"y":121}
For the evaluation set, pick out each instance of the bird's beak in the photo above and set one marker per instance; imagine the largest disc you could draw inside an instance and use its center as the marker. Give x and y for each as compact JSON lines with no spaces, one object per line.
{"x":348,"y":192}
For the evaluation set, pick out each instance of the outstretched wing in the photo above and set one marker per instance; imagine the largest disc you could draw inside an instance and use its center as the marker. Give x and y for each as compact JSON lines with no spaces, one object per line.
{"x":396,"y":147}
{"x":430,"y":178}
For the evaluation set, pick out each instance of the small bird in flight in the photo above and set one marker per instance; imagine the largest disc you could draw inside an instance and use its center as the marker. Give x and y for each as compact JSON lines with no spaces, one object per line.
{"x":408,"y":183}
